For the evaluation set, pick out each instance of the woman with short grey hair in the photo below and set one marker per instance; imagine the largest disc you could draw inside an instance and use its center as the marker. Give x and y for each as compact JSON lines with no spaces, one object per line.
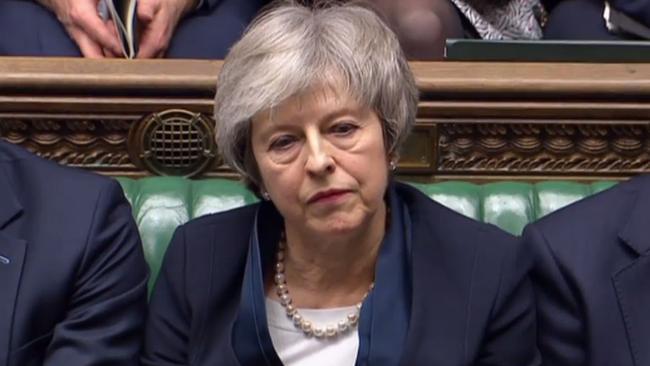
{"x":339,"y":264}
{"x":288,"y":51}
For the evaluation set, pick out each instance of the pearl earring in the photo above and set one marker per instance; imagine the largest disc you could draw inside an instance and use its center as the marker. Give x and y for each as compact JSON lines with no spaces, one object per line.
{"x":266,"y":196}
{"x":392,"y":165}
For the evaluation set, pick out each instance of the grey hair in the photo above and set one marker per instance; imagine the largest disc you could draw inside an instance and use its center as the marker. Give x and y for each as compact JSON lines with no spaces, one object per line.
{"x":292,"y":47}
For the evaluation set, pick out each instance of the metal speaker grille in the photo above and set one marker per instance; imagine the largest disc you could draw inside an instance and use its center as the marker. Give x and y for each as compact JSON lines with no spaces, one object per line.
{"x":174,"y":142}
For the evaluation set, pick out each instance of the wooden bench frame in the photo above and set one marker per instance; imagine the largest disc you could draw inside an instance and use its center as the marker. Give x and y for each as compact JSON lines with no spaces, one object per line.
{"x":476,"y":121}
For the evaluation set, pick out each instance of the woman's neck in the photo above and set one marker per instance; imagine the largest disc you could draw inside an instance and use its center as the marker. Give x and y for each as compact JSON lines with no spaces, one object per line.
{"x":336,"y":271}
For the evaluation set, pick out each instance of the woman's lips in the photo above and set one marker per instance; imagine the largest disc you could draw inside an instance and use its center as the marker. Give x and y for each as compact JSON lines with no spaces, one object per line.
{"x":329,"y":195}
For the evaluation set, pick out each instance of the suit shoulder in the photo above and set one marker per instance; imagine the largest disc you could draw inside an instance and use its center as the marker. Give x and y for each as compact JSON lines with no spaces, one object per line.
{"x":606,"y":206}
{"x":53,"y":176}
{"x":588,"y":225}
{"x":71,"y":193}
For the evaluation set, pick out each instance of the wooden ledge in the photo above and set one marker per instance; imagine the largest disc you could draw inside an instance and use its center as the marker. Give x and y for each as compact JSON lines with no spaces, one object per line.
{"x":478,"y":121}
{"x":107,"y":76}
{"x":436,"y":80}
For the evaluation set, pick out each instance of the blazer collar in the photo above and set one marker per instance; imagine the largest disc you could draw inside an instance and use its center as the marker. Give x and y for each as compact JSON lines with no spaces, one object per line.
{"x":635,"y":232}
{"x":383,"y":322}
{"x":632,"y":283}
{"x":10,"y":206}
{"x":12,"y":255}
{"x":439,"y":264}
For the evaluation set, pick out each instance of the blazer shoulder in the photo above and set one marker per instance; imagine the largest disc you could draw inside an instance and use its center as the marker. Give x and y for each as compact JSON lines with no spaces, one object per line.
{"x":449,"y":222}
{"x":230,"y":229}
{"x":454,"y":234}
{"x":214,"y":243}
{"x":241,"y":216}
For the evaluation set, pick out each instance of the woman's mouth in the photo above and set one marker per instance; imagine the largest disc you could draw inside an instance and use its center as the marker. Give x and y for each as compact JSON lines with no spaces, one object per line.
{"x":330,"y":195}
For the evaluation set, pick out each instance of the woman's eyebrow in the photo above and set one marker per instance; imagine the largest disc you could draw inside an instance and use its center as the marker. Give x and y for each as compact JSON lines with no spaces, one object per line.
{"x":274,"y":123}
{"x":340,"y":112}
{"x":269,"y":127}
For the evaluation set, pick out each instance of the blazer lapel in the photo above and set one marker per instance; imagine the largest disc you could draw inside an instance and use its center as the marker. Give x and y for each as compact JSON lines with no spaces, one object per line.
{"x":433,"y":334}
{"x":12,"y":254}
{"x":632,"y":283}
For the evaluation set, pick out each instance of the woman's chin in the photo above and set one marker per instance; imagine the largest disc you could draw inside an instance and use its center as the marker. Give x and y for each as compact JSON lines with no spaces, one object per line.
{"x":336,"y":224}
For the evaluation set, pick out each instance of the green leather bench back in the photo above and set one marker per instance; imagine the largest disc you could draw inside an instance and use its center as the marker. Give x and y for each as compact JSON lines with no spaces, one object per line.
{"x":160,"y":204}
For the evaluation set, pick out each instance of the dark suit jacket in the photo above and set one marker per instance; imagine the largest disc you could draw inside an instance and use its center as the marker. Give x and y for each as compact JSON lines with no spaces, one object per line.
{"x":213,"y":4}
{"x":471,"y":302}
{"x":592,"y":279}
{"x":72,"y":272}
{"x":636,"y":9}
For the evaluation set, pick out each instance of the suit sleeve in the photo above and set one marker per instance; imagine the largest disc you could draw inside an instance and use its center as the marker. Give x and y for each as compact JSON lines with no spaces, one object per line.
{"x":210,"y":5}
{"x":560,"y":326}
{"x":511,"y":332}
{"x":636,"y":9}
{"x":168,"y":324}
{"x":104,"y":321}
{"x":207,"y":5}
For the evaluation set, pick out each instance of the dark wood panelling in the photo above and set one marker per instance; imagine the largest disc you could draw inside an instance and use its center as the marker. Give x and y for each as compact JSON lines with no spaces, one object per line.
{"x":476,"y":121}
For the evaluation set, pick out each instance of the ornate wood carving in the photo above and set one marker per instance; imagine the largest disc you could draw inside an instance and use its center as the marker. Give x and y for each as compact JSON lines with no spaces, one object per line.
{"x":476,"y":121}
{"x":547,"y":149}
{"x":98,"y":144}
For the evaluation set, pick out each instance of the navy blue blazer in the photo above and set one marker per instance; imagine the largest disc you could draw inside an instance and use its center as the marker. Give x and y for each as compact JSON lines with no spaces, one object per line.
{"x":468,"y":299}
{"x":72,"y":272}
{"x":592,"y":279}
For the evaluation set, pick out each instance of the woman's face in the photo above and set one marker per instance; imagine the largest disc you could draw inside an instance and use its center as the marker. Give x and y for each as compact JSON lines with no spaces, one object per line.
{"x":322,"y":159}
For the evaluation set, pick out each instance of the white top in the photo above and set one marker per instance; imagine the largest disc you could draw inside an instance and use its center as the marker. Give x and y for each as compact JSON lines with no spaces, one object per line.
{"x":296,"y":349}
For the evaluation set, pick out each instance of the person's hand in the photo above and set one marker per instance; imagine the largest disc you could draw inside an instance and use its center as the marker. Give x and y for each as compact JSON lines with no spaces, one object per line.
{"x":92,"y":35}
{"x":158,"y":19}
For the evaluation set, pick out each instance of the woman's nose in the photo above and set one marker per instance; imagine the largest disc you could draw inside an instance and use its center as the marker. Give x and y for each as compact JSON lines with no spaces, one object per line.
{"x":319,"y":158}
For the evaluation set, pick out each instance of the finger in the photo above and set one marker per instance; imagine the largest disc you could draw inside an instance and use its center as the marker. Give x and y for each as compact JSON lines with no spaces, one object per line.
{"x":96,"y":29}
{"x":109,"y":54}
{"x":151,"y":51}
{"x":152,"y":48}
{"x":148,"y":46}
{"x":155,"y":39}
{"x":146,"y":11}
{"x":88,"y":47}
{"x":111,"y":28}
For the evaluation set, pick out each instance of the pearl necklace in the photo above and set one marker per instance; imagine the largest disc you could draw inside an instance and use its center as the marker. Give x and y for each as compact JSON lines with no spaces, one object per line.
{"x":307,"y":327}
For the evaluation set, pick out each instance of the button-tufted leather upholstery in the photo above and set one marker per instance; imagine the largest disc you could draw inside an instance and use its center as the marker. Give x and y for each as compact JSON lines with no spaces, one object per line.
{"x":160,"y":204}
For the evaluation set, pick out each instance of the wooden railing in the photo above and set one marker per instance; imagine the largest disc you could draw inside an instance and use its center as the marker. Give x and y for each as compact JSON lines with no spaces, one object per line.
{"x":476,"y":121}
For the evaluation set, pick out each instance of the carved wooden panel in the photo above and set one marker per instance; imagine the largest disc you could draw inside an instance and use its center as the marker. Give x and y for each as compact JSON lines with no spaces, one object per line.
{"x":545,"y":149}
{"x":476,"y":121}
{"x":93,"y":143}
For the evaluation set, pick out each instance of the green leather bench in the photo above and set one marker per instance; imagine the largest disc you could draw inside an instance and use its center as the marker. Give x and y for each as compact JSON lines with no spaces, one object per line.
{"x":160,"y":204}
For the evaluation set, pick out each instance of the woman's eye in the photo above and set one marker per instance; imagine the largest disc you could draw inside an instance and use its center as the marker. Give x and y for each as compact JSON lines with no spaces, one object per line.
{"x":282,"y":143}
{"x":343,"y":129}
